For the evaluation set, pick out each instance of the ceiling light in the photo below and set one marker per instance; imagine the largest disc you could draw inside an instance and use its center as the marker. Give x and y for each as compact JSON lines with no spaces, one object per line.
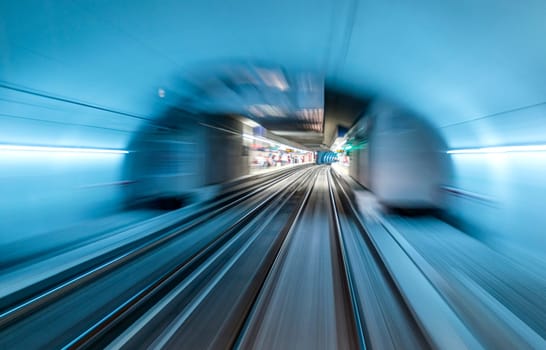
{"x":273,"y":78}
{"x":250,"y":122}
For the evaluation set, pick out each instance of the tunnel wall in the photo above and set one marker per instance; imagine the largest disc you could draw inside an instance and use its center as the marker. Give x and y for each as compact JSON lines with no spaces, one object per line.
{"x":499,"y":198}
{"x":46,"y":191}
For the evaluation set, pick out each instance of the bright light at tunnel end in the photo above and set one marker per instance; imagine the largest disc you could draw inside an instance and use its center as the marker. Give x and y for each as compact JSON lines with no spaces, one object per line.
{"x":499,"y":149}
{"x":51,"y":149}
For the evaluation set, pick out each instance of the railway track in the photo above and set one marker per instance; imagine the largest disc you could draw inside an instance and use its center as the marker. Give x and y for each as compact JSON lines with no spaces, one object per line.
{"x":284,"y":263}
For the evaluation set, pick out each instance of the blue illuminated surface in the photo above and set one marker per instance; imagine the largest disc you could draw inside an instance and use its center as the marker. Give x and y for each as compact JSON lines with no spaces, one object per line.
{"x":80,"y":81}
{"x":499,"y":149}
{"x":67,"y":150}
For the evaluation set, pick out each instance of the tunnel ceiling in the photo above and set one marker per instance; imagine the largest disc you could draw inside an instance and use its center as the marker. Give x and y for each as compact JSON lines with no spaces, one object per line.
{"x":288,"y":103}
{"x":450,"y":61}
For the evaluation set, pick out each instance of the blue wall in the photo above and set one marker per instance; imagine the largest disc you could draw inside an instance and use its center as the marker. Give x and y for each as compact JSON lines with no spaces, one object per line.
{"x":502,"y":198}
{"x":45,"y":191}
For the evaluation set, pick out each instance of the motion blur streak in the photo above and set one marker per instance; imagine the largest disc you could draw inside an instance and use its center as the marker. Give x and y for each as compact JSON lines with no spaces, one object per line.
{"x":19,"y":148}
{"x":273,"y":174}
{"x":502,"y":149}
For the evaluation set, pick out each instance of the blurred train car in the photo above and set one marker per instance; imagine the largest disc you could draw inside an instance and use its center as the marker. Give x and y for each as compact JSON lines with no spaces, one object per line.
{"x":399,"y":157}
{"x":182,"y":162}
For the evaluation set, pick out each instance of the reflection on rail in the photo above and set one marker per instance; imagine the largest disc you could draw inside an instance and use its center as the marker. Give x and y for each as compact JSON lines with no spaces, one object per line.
{"x":277,"y":261}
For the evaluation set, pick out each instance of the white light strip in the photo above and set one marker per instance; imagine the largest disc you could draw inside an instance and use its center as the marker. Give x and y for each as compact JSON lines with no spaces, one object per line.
{"x":500,"y":149}
{"x":272,"y":143}
{"x":18,"y":148}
